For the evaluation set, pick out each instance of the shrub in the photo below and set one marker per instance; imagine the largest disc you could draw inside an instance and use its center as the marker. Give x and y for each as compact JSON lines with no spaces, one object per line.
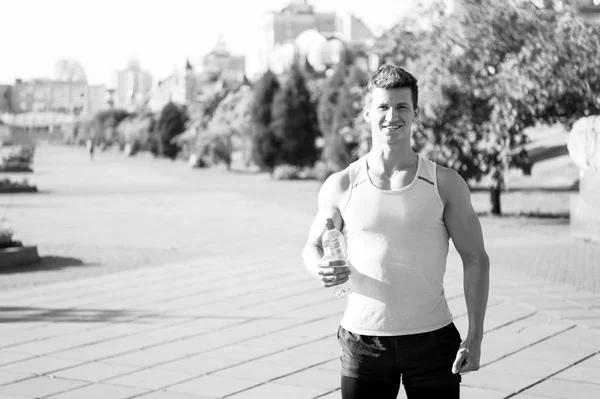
{"x":6,"y":239}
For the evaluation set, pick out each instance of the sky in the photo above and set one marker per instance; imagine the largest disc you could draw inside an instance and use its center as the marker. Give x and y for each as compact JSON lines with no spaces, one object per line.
{"x":103,"y":35}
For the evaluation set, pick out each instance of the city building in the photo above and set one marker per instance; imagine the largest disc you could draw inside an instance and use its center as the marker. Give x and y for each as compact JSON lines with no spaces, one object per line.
{"x":132,"y":86}
{"x":220,"y":63}
{"x":5,"y":102}
{"x":172,"y":88}
{"x":298,"y":31}
{"x":217,"y":69}
{"x":44,"y":95}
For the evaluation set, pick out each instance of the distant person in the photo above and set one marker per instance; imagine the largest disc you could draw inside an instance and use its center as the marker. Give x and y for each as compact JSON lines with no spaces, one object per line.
{"x":91,"y":148}
{"x":398,"y":211}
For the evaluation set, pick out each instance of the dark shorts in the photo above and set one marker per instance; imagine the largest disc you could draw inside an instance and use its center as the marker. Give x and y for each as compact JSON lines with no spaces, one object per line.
{"x":422,"y":360}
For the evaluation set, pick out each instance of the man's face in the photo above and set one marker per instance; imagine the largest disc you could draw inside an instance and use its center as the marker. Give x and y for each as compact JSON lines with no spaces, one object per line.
{"x":390,"y":113}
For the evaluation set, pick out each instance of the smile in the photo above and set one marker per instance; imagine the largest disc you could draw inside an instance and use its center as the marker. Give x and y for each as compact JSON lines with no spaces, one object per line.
{"x":392,"y":127}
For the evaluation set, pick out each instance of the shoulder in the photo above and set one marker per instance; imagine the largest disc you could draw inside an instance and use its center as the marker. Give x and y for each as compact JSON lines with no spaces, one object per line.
{"x":451,"y":185}
{"x":334,"y":187}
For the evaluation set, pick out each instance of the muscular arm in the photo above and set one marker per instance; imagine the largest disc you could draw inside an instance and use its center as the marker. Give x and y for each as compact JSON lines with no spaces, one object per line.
{"x":329,"y":199}
{"x":465,"y":230}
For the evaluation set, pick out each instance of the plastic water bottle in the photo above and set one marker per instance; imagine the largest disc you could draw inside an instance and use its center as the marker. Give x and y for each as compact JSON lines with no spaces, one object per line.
{"x":334,"y":248}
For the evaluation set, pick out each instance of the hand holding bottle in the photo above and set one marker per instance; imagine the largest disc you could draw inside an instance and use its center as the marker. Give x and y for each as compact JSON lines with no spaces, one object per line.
{"x":333,"y":268}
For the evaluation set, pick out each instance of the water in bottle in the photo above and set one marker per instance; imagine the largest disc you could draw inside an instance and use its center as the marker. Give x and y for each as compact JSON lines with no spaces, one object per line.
{"x":334,"y":248}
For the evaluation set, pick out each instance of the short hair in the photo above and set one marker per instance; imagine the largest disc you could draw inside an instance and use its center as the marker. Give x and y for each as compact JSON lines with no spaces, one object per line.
{"x":392,"y":77}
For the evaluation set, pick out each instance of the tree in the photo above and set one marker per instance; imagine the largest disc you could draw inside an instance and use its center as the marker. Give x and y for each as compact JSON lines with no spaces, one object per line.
{"x":230,"y":127}
{"x":105,"y":124}
{"x":264,"y":143}
{"x":485,"y":84}
{"x":171,"y":123}
{"x":339,"y":104}
{"x":294,"y":122}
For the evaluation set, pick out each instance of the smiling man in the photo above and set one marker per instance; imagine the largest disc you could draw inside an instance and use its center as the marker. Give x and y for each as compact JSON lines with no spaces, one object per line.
{"x":398,"y":211}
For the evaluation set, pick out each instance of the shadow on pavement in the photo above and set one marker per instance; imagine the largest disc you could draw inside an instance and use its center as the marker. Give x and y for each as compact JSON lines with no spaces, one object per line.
{"x":11,"y":314}
{"x":47,"y":263}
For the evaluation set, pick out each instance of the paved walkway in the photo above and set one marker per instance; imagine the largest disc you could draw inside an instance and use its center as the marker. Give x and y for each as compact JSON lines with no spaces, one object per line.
{"x":242,"y":319}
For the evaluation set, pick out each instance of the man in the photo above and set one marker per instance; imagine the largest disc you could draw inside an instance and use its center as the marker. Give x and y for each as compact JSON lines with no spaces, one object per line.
{"x":398,"y":211}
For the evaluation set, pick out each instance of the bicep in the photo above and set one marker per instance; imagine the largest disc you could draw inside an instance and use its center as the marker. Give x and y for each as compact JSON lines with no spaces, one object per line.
{"x":461,"y":220}
{"x":328,"y":207}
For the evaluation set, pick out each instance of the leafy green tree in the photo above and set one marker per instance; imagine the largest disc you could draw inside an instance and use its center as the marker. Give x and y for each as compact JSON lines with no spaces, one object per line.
{"x":485,"y":84}
{"x":264,"y":144}
{"x":294,"y":122}
{"x":171,"y":122}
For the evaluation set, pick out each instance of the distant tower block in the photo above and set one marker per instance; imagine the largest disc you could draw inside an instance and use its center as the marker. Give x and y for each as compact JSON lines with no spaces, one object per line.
{"x":69,"y":71}
{"x":584,"y":148}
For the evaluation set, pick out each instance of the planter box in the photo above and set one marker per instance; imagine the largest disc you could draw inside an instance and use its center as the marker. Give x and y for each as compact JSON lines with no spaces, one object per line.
{"x":18,"y":256}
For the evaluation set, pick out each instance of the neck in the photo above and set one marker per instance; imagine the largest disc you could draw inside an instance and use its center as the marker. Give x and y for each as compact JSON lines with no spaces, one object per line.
{"x":391,"y":159}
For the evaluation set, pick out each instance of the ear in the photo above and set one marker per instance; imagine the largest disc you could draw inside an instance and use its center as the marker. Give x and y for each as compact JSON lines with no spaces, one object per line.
{"x":417,"y":112}
{"x":366,"y":114}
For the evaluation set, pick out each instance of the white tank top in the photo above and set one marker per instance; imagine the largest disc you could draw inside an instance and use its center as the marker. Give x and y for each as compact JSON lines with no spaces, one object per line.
{"x":397,"y":249}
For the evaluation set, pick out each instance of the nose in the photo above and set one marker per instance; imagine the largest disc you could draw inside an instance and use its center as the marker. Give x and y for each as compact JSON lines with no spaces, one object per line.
{"x":390,"y":113}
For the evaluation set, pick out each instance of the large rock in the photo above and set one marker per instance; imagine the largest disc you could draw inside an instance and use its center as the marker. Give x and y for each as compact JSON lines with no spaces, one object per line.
{"x":584,"y":149}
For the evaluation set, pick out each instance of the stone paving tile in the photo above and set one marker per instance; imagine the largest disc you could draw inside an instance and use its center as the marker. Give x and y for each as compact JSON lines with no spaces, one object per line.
{"x":521,"y":365}
{"x":91,"y":352}
{"x":580,"y":373}
{"x":94,"y":372}
{"x":242,"y":352}
{"x":199,"y":364}
{"x":273,"y":390}
{"x":327,"y":345}
{"x":213,"y":386}
{"x":501,"y":381}
{"x":333,"y":365}
{"x":151,"y":378}
{"x":481,"y":393}
{"x":7,"y":378}
{"x":257,"y":372}
{"x":327,"y":380}
{"x":556,"y":388}
{"x":39,"y":365}
{"x":172,"y":395}
{"x":39,"y":386}
{"x":100,"y":391}
{"x":7,"y":357}
{"x":51,"y":345}
{"x":295,"y":357}
{"x":338,"y":395}
{"x":12,"y":340}
{"x":143,"y":358}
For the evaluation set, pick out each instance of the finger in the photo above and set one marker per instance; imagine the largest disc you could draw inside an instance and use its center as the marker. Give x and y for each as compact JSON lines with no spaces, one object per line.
{"x":333,"y":283}
{"x":332,"y":263}
{"x":335,"y":278}
{"x":339,"y":271}
{"x":458,"y":362}
{"x":326,"y":271}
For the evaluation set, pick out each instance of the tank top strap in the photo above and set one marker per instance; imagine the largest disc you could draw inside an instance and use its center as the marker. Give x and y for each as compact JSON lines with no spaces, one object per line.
{"x":428,"y":174}
{"x":355,"y":178}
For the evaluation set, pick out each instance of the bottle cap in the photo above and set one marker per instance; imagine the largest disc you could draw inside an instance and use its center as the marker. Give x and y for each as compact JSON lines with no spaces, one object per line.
{"x":329,"y":224}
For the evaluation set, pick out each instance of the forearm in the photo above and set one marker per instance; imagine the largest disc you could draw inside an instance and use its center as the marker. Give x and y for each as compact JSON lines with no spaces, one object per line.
{"x":312,"y":254}
{"x":476,"y":288}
